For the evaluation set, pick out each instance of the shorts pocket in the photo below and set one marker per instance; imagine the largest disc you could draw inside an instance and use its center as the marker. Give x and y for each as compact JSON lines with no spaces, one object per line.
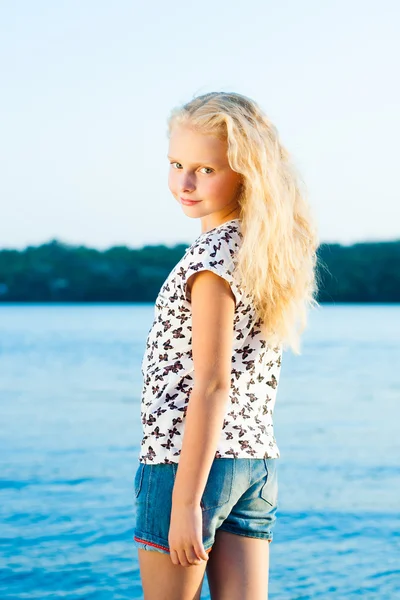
{"x":138,"y":479}
{"x":218,"y":488}
{"x":269,"y":490}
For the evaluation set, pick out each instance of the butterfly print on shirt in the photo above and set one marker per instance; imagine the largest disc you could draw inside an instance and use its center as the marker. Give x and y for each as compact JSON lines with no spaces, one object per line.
{"x":168,"y":369}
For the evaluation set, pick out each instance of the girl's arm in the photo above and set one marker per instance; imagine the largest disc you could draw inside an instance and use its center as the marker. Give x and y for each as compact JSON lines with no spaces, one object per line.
{"x":213,"y":307}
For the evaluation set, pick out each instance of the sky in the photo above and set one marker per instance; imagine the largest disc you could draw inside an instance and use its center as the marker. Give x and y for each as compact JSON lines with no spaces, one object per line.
{"x":87,"y":87}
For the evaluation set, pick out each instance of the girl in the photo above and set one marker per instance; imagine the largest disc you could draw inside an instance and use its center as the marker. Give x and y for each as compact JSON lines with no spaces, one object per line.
{"x":206,"y":485}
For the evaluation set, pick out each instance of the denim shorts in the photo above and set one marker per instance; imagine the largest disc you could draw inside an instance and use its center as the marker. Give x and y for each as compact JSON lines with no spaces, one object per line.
{"x":240,"y":497}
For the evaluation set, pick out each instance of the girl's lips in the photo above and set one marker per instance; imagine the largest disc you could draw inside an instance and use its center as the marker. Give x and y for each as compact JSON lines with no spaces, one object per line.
{"x":189,"y":202}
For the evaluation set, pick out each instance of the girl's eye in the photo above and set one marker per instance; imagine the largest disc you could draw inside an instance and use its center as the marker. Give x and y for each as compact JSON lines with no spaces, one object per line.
{"x":177,"y":165}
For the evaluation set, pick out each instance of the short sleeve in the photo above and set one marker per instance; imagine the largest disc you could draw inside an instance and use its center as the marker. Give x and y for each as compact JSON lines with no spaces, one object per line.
{"x":215,"y":255}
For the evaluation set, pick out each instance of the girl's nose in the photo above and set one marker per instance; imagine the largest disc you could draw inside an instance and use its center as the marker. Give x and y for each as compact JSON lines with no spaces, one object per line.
{"x":187,"y":183}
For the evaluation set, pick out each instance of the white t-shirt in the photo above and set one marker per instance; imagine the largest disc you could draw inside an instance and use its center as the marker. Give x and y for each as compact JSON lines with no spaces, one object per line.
{"x":168,"y":371}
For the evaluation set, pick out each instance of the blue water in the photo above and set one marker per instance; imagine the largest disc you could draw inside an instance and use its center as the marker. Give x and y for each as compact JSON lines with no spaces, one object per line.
{"x":70,"y":386}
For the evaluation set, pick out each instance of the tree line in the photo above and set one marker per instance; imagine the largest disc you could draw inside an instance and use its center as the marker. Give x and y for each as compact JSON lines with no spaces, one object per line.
{"x":59,"y":272}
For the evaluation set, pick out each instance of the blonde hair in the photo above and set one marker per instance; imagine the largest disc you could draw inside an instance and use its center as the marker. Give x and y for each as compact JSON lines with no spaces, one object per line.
{"x":277,"y":258}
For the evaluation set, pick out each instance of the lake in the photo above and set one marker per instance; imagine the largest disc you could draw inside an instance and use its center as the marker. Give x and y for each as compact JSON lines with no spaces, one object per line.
{"x":70,"y":431}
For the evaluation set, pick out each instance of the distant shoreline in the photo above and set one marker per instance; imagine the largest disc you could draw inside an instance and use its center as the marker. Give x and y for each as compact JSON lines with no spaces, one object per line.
{"x":150,"y":303}
{"x":58,"y":273}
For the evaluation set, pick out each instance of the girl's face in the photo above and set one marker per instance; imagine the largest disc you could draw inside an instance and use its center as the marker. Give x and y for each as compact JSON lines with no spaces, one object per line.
{"x":200,"y":172}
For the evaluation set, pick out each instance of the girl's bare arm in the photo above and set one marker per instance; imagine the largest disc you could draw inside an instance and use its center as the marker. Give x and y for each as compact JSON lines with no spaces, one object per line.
{"x":213,"y":307}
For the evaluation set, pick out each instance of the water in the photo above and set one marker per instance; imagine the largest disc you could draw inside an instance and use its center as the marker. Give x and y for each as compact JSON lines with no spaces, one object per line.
{"x":70,"y":432}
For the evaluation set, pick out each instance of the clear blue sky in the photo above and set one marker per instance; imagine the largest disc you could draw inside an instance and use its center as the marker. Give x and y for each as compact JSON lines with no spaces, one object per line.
{"x":86,"y":88}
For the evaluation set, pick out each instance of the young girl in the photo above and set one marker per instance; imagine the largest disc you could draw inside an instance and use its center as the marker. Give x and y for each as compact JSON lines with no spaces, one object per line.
{"x":206,"y":486}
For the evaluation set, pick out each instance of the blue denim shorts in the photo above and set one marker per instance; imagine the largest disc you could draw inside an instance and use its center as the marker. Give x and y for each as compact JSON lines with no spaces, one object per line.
{"x":240,"y":497}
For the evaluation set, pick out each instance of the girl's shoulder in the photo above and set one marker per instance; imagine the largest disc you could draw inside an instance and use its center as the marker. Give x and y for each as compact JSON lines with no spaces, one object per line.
{"x":223,"y":240}
{"x":215,"y":251}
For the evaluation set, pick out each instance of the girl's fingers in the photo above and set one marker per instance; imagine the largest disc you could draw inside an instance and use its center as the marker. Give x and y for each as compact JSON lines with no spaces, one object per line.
{"x":189,"y":556}
{"x":201,"y":553}
{"x":193,"y":557}
{"x":182,"y":558}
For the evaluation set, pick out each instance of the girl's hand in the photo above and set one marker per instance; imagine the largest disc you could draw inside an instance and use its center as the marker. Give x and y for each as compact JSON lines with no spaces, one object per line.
{"x":185,"y":535}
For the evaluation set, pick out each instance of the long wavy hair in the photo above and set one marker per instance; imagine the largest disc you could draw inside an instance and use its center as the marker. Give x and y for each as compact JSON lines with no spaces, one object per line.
{"x":276,"y":261}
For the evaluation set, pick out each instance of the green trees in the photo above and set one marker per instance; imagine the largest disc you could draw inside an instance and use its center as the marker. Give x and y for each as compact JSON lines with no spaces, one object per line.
{"x":363,"y":272}
{"x":58,"y":272}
